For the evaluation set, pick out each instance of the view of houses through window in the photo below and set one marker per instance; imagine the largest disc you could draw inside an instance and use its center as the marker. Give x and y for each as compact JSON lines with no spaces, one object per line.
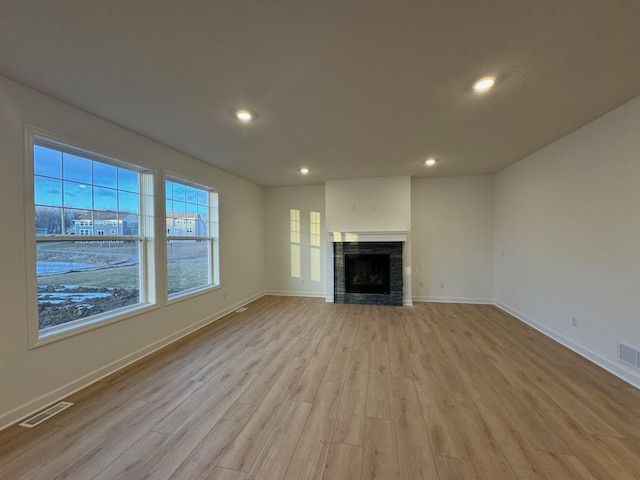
{"x":192,"y":232}
{"x":92,"y":217}
{"x":80,"y":194}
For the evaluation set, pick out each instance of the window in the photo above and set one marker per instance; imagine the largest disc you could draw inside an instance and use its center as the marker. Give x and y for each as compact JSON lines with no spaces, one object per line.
{"x":83,"y":281}
{"x":191,"y":212}
{"x":314,"y":241}
{"x":294,"y":232}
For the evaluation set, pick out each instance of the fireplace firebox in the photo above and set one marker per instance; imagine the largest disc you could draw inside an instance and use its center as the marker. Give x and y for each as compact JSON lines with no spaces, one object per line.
{"x":367,"y":273}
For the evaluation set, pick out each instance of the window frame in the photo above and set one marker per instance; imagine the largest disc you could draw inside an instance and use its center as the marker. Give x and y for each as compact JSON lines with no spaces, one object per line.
{"x":147,"y":282}
{"x":213,"y":238}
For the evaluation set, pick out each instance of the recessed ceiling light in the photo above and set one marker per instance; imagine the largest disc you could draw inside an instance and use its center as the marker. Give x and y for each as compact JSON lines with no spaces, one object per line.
{"x":484,"y":84}
{"x":304,"y":170}
{"x":430,"y":162}
{"x":244,"y":115}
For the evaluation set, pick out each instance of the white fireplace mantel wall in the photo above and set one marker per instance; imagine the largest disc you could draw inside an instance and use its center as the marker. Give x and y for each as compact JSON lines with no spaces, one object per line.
{"x":369,"y":210}
{"x":368,"y":236}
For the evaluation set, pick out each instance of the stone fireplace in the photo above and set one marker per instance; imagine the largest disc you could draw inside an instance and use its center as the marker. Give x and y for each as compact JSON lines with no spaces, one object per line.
{"x":368,"y":272}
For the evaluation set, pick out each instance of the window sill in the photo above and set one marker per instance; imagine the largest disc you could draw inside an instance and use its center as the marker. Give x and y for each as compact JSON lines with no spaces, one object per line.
{"x":81,"y":326}
{"x":188,"y":294}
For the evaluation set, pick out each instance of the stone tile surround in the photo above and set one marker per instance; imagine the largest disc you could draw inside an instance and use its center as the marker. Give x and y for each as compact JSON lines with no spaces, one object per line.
{"x":394,"y":249}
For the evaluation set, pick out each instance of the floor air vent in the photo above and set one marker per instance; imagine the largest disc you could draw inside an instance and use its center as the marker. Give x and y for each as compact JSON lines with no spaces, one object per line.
{"x":48,"y":413}
{"x":241,"y":309}
{"x":629,"y":355}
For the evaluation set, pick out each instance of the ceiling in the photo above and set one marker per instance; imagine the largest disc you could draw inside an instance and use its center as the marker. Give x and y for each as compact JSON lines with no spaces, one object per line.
{"x":347,"y":88}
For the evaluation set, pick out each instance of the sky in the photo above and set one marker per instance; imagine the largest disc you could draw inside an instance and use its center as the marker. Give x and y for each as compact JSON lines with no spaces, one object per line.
{"x":66,"y":180}
{"x":71,"y":181}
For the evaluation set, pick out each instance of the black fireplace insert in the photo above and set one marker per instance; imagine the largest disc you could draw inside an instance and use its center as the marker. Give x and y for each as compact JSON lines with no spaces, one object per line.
{"x":367,"y":273}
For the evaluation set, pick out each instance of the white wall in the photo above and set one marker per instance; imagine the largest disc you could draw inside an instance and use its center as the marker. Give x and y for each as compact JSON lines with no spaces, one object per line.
{"x":32,"y":378}
{"x":368,"y":204}
{"x":278,"y":202}
{"x":567,"y":238}
{"x":452,"y":234}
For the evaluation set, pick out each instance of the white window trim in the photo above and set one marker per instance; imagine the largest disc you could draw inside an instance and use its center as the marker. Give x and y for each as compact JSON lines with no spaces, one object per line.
{"x":36,"y":338}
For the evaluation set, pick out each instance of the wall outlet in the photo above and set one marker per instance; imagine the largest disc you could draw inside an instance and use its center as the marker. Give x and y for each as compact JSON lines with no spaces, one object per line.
{"x":224,"y":295}
{"x":302,"y":281}
{"x":442,"y":285}
{"x":421,"y":284}
{"x":574,"y":322}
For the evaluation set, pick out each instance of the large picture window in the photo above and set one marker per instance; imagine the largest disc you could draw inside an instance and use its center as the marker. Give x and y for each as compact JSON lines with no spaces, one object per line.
{"x":192,"y":236}
{"x":92,"y":213}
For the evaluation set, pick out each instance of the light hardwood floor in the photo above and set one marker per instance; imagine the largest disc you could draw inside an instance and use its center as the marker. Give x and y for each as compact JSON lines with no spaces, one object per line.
{"x":297,"y":389}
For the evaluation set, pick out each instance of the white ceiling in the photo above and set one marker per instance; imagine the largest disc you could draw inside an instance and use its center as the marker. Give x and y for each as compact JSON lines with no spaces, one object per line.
{"x":349,"y":88}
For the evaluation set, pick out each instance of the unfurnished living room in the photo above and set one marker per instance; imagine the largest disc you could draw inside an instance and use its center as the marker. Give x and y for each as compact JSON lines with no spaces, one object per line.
{"x":320,"y":240}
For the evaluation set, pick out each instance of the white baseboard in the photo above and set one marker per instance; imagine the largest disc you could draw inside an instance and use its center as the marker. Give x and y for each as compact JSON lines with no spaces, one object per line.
{"x":34,"y":406}
{"x":283,"y":293}
{"x":475,"y":301}
{"x":617,"y":370}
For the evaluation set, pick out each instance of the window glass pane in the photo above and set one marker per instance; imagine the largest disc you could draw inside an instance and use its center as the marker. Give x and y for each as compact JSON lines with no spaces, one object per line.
{"x":79,"y":222}
{"x":192,"y":208}
{"x":80,"y":279}
{"x":128,"y":180}
{"x":314,"y":229}
{"x":201,"y":226}
{"x":187,"y":265}
{"x":178,"y":192}
{"x":179,"y":207}
{"x":295,"y":261}
{"x":191,"y":194}
{"x":105,"y":199}
{"x":294,"y":226}
{"x":203,"y":197}
{"x":128,"y":224}
{"x":203,"y":212}
{"x":105,"y":175}
{"x":47,"y":162}
{"x":48,"y":220}
{"x":78,"y":195}
{"x":77,"y":169}
{"x":168,"y":189}
{"x":48,"y":191}
{"x":168,"y":206}
{"x":128,"y":202}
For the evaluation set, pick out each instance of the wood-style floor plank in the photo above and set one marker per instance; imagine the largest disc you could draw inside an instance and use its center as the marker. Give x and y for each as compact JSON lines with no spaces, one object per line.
{"x":352,"y":410}
{"x":309,"y":456}
{"x":298,"y":389}
{"x":415,"y":455}
{"x":379,"y":386}
{"x":380,"y":457}
{"x":344,"y":462}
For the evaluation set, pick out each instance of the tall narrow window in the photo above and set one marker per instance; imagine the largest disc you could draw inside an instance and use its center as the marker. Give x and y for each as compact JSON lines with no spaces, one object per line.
{"x":92,"y":213}
{"x":192,"y":236}
{"x":294,"y":230}
{"x":314,"y":236}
